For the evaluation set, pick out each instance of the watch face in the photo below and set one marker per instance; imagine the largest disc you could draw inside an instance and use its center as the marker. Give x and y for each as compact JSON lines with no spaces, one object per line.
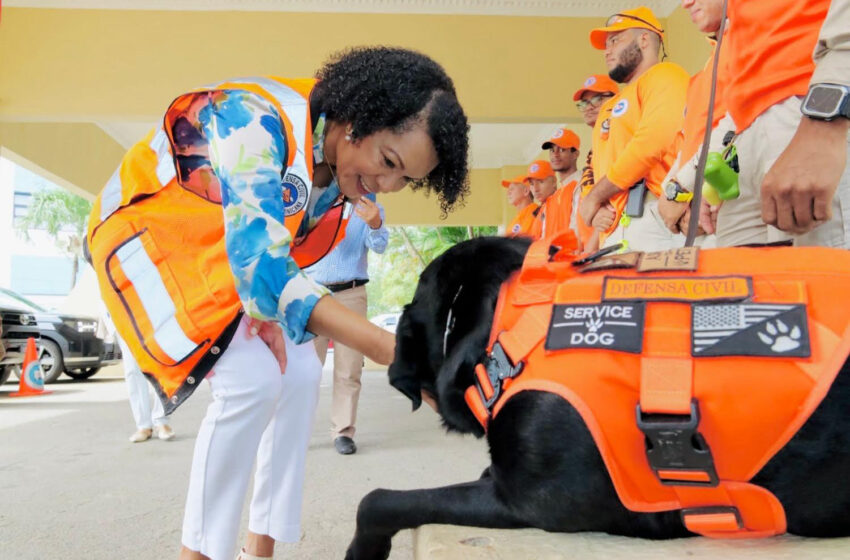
{"x":824,"y":101}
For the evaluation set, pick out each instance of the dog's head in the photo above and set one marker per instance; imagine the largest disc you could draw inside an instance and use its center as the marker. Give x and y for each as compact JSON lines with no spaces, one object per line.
{"x":444,"y":331}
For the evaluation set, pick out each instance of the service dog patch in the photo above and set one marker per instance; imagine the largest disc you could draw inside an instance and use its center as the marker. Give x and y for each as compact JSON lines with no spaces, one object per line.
{"x":608,"y":326}
{"x":750,"y":329}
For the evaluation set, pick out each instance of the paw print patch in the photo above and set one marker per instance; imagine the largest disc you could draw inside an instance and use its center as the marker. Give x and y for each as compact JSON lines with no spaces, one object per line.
{"x":750,"y":329}
{"x":779,"y":337}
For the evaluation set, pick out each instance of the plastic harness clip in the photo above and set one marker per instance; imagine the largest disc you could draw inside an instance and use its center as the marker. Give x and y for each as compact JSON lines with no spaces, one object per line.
{"x":676,"y":451}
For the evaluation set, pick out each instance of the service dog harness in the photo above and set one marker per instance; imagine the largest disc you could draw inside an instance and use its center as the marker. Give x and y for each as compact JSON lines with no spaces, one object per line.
{"x":691,"y":369}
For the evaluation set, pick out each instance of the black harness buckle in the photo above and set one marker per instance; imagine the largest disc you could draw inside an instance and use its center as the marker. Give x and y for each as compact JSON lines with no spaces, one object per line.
{"x":499,"y":367}
{"x":676,"y":451}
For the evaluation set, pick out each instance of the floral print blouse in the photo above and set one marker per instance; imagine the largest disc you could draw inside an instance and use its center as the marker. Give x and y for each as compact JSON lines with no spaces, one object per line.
{"x":246,"y":145}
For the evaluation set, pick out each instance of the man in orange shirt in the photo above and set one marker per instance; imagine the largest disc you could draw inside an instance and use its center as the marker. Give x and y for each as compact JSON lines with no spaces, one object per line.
{"x":675,"y":207}
{"x":551,"y":218}
{"x":793,"y":167}
{"x":595,"y":91}
{"x":519,"y":196}
{"x":634,"y":133}
{"x":563,"y":149}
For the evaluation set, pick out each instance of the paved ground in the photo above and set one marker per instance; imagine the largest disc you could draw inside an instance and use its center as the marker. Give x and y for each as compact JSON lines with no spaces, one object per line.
{"x":73,"y":487}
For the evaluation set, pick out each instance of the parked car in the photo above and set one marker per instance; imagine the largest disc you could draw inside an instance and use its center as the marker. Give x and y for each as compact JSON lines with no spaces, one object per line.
{"x":11,"y":354}
{"x":66,"y":343}
{"x":388,"y":321}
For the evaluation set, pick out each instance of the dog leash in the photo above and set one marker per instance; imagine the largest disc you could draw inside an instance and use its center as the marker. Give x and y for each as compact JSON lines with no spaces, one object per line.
{"x":693,"y":223}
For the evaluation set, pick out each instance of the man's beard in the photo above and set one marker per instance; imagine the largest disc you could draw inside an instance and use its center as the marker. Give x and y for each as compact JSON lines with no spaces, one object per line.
{"x":630,"y":59}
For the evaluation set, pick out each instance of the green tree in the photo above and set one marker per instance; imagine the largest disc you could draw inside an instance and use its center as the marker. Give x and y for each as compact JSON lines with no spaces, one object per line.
{"x":63,"y":216}
{"x":394,"y":274}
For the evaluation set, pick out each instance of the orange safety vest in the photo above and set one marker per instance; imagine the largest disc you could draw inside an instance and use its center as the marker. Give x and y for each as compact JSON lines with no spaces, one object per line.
{"x":555,"y":213}
{"x":156,"y":240}
{"x":676,"y":355}
{"x":523,"y":221}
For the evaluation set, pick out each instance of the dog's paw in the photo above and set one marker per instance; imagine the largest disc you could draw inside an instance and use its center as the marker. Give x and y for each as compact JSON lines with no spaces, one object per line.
{"x":371,"y":547}
{"x":779,"y":337}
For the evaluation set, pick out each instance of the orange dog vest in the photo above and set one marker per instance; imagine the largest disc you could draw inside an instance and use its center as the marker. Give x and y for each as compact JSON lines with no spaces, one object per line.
{"x":691,"y":369}
{"x":156,"y":241}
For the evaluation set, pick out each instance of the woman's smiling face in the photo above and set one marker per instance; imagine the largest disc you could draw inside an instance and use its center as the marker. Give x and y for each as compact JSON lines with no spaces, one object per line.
{"x":384,"y":162}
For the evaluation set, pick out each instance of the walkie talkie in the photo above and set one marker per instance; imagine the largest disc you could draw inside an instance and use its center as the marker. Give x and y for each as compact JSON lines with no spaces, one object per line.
{"x":637,"y":196}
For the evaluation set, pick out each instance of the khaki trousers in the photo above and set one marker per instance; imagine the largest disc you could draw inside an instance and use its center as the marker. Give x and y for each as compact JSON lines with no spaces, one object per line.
{"x":646,"y":233}
{"x":739,"y":221}
{"x":348,"y":367}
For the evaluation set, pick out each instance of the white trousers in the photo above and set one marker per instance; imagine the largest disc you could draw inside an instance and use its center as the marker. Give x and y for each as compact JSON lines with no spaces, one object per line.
{"x":139,"y":391}
{"x":255,"y":412}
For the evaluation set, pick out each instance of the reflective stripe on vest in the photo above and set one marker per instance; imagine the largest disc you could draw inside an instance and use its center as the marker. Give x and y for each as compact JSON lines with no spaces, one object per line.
{"x":112,"y":195}
{"x":156,"y":301}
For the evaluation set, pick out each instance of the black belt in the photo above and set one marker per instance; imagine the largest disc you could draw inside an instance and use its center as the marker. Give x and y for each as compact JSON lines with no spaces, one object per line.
{"x":340,"y":286}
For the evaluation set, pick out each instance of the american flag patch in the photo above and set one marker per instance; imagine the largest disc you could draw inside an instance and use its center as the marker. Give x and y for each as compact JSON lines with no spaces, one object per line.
{"x":749,"y":329}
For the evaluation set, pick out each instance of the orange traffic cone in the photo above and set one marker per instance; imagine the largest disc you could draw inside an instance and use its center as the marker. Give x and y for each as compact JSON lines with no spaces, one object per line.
{"x":32,"y":378}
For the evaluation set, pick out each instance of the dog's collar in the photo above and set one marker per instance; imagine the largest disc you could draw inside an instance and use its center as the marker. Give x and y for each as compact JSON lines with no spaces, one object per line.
{"x":450,"y":321}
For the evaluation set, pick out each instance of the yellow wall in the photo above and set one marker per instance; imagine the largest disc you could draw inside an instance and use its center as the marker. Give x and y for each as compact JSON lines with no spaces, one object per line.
{"x":685,"y":44}
{"x":64,"y":58}
{"x":64,"y":69}
{"x":79,"y":153}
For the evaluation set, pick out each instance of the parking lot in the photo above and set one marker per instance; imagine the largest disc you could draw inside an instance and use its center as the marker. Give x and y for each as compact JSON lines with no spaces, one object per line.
{"x":74,"y":487}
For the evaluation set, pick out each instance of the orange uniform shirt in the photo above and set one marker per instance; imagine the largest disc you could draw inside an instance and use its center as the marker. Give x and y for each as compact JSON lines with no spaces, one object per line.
{"x":696,"y":106}
{"x":554,"y":215}
{"x":770,"y":53}
{"x":585,"y":232}
{"x":634,"y":135}
{"x":523,"y":222}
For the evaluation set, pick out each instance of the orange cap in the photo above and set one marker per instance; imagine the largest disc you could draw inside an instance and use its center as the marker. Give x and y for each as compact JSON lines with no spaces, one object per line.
{"x":518,"y":179}
{"x":638,"y":18}
{"x":539,"y":169}
{"x":598,"y":83}
{"x":564,"y":138}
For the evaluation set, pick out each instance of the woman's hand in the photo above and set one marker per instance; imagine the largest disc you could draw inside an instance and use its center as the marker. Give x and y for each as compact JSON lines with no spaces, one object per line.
{"x":270,"y":333}
{"x":335,"y":321}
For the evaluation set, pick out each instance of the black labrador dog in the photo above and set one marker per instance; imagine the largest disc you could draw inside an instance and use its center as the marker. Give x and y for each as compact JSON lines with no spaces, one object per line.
{"x":546,"y":471}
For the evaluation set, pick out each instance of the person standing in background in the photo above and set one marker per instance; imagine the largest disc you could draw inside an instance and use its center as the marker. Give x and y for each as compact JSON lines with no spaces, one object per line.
{"x":345,"y":273}
{"x":637,"y":129}
{"x":594,"y":92}
{"x":519,"y":196}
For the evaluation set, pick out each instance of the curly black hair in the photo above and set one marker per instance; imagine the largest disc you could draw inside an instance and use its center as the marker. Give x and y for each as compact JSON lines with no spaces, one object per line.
{"x":377,"y":88}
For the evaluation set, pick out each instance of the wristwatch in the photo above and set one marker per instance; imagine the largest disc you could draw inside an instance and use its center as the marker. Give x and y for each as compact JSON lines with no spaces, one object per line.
{"x":676,"y":192}
{"x":826,"y":102}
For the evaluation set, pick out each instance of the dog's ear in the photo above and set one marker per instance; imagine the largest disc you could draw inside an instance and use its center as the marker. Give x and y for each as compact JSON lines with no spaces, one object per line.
{"x":409,"y":386}
{"x":404,"y":371}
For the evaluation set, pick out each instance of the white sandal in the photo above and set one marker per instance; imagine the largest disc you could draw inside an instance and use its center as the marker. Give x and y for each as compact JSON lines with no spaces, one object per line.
{"x":245,"y":556}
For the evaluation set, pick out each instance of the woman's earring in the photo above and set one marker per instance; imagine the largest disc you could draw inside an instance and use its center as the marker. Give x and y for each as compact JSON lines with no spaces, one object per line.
{"x":348,"y":134}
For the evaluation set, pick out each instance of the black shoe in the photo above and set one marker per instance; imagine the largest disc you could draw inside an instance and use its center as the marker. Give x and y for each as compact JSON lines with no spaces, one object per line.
{"x":345,"y":445}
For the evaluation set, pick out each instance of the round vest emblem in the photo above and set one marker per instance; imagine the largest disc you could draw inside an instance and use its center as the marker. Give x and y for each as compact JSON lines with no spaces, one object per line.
{"x":620,"y":108}
{"x":294,"y":194}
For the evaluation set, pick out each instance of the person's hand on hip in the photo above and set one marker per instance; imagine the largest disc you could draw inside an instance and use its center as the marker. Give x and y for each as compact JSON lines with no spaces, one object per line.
{"x":270,"y":333}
